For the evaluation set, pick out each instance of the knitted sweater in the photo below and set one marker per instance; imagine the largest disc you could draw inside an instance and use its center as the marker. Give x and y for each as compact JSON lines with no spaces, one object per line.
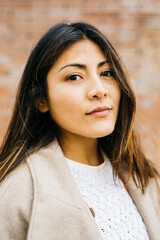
{"x":115,"y":212}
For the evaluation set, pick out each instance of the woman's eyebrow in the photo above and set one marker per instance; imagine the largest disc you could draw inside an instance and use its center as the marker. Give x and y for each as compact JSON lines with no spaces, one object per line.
{"x":82,"y":66}
{"x":102,"y":63}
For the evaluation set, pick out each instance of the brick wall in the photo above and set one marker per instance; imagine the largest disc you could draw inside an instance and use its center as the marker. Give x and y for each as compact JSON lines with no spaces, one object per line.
{"x":133,"y":28}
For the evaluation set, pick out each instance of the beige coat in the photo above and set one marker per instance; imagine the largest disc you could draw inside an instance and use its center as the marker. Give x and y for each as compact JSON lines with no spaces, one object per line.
{"x":40,"y":201}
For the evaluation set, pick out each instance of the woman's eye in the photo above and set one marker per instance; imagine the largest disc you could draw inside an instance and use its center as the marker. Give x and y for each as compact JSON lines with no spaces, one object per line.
{"x":74,"y":77}
{"x":107,"y":74}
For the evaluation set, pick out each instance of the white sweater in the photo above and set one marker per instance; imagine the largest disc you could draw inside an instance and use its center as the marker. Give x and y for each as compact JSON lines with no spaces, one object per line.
{"x":115,"y":212}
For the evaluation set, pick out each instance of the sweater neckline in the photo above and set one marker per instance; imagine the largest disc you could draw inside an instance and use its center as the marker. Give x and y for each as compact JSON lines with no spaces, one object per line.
{"x":88,"y":168}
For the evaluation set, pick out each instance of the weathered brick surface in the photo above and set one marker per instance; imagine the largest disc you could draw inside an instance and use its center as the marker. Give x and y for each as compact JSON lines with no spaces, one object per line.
{"x":132,"y":26}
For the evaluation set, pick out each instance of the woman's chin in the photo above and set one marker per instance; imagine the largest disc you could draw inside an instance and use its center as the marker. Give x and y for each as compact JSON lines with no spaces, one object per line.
{"x":101,"y":133}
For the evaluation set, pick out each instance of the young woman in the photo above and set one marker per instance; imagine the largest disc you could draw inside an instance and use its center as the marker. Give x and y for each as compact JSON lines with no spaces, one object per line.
{"x":70,"y":165}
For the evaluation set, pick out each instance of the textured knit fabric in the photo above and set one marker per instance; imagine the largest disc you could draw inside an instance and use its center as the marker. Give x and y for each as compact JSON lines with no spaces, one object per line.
{"x":115,"y":213}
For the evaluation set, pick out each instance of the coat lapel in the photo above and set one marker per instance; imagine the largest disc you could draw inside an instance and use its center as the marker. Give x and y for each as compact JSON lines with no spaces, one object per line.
{"x":59,"y":212}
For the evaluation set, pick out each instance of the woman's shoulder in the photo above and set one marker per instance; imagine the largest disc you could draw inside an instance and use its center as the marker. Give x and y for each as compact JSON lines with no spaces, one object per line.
{"x":20,"y":181}
{"x":22,"y":175}
{"x":16,"y":200}
{"x":15,"y":178}
{"x":17,"y":187}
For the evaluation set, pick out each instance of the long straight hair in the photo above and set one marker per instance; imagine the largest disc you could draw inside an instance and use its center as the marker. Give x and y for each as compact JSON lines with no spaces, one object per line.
{"x":30,"y":130}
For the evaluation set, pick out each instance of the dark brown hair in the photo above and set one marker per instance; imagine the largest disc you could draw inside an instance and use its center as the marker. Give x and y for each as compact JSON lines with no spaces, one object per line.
{"x":30,"y":130}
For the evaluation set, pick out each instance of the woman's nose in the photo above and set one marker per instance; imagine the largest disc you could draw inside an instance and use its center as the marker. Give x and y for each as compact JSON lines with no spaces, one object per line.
{"x":97,"y":90}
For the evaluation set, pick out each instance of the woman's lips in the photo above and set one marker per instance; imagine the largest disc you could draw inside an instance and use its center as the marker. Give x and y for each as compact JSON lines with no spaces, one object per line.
{"x":100,"y":111}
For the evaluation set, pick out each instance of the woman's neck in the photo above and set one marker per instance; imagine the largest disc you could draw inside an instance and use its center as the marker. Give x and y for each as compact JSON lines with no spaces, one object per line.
{"x":81,"y":149}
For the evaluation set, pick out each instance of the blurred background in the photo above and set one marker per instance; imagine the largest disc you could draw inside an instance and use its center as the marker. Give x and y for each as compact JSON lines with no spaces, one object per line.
{"x":132,"y":26}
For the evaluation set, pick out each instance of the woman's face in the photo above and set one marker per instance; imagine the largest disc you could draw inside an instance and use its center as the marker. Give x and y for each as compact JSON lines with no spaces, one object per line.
{"x":83,"y":95}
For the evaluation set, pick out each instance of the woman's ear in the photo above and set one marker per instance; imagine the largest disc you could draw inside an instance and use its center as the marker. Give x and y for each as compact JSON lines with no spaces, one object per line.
{"x":42,"y":105}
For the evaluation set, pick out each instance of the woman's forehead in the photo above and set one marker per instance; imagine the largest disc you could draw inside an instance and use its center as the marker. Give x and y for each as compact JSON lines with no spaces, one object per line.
{"x":81,"y":52}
